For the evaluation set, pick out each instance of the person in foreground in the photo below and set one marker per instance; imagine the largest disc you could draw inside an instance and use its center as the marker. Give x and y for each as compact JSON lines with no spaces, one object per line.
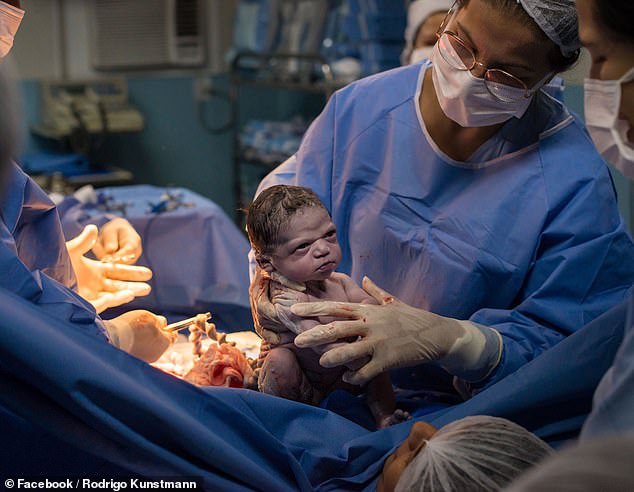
{"x":473,"y":454}
{"x":106,"y":283}
{"x":474,"y":200}
{"x":40,"y":266}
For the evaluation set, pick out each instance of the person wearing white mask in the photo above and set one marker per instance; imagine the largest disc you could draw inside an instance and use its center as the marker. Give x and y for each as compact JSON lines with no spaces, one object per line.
{"x":423,"y":19}
{"x":38,"y":265}
{"x":475,"y":199}
{"x":605,"y":29}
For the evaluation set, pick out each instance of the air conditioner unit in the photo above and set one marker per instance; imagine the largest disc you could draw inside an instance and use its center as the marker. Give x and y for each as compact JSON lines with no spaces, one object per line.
{"x":130,"y":34}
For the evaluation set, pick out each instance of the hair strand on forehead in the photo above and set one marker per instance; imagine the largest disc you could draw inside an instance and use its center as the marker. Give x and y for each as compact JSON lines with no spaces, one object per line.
{"x":272,"y":209}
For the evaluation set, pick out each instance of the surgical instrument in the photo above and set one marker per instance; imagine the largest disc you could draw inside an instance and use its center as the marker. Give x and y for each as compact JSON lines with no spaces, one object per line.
{"x":180,"y":325}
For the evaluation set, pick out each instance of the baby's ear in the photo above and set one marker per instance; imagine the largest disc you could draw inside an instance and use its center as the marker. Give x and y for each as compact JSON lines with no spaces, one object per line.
{"x":264,"y":262}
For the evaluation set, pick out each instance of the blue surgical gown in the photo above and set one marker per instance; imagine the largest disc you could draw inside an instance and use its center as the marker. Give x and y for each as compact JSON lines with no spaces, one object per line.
{"x":613,"y":403}
{"x":33,"y":258}
{"x":524,"y":236}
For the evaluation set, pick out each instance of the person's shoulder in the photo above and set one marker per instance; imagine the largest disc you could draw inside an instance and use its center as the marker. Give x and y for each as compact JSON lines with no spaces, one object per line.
{"x":566,"y":142}
{"x":24,"y":194}
{"x":380,"y":91}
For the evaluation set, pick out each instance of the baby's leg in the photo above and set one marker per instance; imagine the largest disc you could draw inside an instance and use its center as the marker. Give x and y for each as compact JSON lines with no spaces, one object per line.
{"x":281,"y":375}
{"x":382,"y":402}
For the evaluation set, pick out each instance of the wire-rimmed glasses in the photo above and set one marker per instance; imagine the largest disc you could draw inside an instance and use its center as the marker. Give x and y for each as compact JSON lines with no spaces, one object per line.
{"x":500,"y":84}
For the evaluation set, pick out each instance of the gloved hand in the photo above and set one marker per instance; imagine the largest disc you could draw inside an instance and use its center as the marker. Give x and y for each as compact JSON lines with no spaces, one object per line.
{"x":118,"y":242}
{"x":140,"y":333}
{"x":105,"y":285}
{"x":265,"y":318}
{"x":394,"y":334}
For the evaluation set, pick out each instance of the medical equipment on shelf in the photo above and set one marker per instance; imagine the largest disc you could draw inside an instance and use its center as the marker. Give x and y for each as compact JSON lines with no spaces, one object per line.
{"x":97,"y":106}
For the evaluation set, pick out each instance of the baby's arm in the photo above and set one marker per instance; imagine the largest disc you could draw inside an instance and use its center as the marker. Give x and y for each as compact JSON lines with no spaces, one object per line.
{"x":353,"y":292}
{"x":282,"y":299}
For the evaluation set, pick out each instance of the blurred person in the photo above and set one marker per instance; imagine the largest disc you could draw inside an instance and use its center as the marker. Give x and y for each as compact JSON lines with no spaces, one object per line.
{"x":603,"y":464}
{"x":473,"y":454}
{"x":605,"y":29}
{"x":423,"y":19}
{"x":116,"y":243}
{"x":34,"y":258}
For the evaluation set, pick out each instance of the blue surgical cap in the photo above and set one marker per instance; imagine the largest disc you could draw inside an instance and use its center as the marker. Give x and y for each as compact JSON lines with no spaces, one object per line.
{"x":558,"y":20}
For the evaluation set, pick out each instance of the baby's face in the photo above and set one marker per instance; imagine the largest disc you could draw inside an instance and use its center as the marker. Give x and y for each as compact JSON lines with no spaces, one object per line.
{"x":309,"y":250}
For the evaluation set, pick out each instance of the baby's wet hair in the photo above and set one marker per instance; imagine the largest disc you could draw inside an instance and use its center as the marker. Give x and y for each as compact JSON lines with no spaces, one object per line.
{"x":272,"y":209}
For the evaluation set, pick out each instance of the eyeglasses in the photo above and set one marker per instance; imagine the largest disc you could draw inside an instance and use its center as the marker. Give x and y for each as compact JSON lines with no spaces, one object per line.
{"x":500,"y":84}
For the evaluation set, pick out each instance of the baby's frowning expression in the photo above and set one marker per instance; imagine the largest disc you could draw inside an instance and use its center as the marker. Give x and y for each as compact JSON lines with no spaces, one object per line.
{"x":309,"y":249}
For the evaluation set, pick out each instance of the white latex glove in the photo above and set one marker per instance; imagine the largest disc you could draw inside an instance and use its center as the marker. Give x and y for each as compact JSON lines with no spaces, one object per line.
{"x":118,"y":242}
{"x":391,"y":334}
{"x":105,"y":285}
{"x":267,"y":324}
{"x":140,"y":333}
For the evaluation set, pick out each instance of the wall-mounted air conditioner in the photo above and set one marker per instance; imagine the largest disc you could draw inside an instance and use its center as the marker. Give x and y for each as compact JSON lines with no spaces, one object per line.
{"x":129,"y":34}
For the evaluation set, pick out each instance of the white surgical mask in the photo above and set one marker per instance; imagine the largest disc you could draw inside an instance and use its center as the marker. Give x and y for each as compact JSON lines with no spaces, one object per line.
{"x":419,"y":54}
{"x":609,"y":133}
{"x":465,"y":99}
{"x":10,"y":18}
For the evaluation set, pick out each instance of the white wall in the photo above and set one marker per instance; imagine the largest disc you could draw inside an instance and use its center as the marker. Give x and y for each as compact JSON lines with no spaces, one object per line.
{"x":36,"y":51}
{"x":41,"y":51}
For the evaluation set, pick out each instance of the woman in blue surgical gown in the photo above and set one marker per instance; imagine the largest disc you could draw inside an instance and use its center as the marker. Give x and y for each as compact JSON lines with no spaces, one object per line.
{"x":476,"y":200}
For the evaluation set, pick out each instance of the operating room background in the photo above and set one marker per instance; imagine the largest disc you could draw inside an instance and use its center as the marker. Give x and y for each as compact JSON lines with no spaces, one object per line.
{"x":175,"y":147}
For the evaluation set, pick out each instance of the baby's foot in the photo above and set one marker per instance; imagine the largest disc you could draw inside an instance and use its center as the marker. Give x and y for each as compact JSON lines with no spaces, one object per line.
{"x":397,"y":417}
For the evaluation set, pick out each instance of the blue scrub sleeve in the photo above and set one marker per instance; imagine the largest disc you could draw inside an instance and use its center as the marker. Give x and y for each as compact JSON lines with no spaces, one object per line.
{"x":584,"y":266}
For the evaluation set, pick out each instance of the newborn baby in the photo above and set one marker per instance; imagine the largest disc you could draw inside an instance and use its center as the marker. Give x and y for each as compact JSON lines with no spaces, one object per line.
{"x":291,"y":233}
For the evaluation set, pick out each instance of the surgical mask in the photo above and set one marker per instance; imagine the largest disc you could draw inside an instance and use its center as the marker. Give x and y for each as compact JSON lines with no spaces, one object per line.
{"x":10,"y":18}
{"x":465,"y":98}
{"x":422,"y":53}
{"x":609,"y":133}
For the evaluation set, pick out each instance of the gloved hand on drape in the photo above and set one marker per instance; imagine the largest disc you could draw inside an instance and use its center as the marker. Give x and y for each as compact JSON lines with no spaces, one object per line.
{"x":140,"y":333}
{"x":265,"y":317}
{"x":394,"y":334}
{"x":105,"y":285}
{"x":118,"y":242}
